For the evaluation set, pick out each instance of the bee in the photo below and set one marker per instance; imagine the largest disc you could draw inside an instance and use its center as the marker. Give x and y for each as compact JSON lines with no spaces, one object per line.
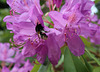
{"x":40,"y":30}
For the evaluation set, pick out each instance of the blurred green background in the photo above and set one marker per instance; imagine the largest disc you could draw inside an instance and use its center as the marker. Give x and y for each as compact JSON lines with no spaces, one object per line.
{"x":4,"y":33}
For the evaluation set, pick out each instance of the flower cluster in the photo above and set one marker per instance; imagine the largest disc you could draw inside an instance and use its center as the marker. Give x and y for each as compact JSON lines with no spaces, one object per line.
{"x":13,"y":58}
{"x":72,"y":20}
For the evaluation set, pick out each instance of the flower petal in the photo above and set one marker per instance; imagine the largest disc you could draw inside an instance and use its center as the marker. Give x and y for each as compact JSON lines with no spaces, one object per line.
{"x":54,"y":51}
{"x":75,"y":44}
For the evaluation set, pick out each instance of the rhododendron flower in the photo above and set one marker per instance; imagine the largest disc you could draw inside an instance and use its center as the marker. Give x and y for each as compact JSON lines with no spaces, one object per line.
{"x":24,"y":30}
{"x":96,"y":38}
{"x":5,"y":69}
{"x":27,"y":67}
{"x":6,"y":53}
{"x":74,"y":19}
{"x":99,"y":22}
{"x":69,"y":35}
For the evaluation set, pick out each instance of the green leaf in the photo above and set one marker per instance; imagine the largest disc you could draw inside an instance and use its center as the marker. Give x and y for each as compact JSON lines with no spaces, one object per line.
{"x":5,"y":36}
{"x":36,"y":67}
{"x":88,"y":44}
{"x":90,"y":68}
{"x":97,"y":69}
{"x":96,"y":1}
{"x":62,"y":49}
{"x":43,"y":68}
{"x":92,"y":56}
{"x":72,"y":63}
{"x":60,"y":61}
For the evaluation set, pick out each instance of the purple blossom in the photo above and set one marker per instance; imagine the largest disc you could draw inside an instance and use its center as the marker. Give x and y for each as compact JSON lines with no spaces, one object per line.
{"x":6,"y":53}
{"x":74,"y":19}
{"x":68,"y":33}
{"x":27,"y":67}
{"x":5,"y":69}
{"x":96,"y":38}
{"x":19,"y":58}
{"x":99,"y":21}
{"x":23,"y":6}
{"x":23,"y":26}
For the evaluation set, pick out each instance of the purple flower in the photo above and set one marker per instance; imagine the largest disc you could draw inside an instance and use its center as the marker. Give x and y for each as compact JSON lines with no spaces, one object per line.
{"x":75,"y":43}
{"x":96,"y":38}
{"x":5,"y":69}
{"x":99,"y":21}
{"x":27,"y":24}
{"x":27,"y":11}
{"x":23,"y":26}
{"x":23,"y":6}
{"x":6,"y":53}
{"x":83,"y":6}
{"x":19,"y":58}
{"x":25,"y":33}
{"x":29,"y":49}
{"x":68,"y":33}
{"x":27,"y":67}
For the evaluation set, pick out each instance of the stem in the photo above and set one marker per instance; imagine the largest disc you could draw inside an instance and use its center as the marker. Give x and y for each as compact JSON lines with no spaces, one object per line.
{"x":11,"y":12}
{"x":47,"y":21}
{"x":3,"y":64}
{"x":49,"y":6}
{"x":10,"y":65}
{"x":0,"y":69}
{"x":95,"y":54}
{"x":52,"y":5}
{"x":58,"y":9}
{"x":26,"y":3}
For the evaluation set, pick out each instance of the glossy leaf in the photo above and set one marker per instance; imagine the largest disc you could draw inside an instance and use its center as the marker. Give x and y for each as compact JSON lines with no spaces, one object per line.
{"x":36,"y":67}
{"x":89,"y":67}
{"x":88,"y":44}
{"x":73,"y":63}
{"x":43,"y":68}
{"x":92,"y":56}
{"x":97,"y":69}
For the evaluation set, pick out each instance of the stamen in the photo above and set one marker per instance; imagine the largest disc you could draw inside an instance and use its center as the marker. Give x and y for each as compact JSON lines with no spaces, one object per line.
{"x":47,"y":21}
{"x":31,"y":43}
{"x":26,"y":3}
{"x":10,"y":65}
{"x":52,"y":5}
{"x":10,"y":12}
{"x":3,"y":64}
{"x":58,"y":9}
{"x":49,"y":5}
{"x":65,"y":37}
{"x":35,"y":63}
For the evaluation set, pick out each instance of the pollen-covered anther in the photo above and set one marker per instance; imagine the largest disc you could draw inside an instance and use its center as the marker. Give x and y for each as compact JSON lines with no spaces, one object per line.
{"x":35,"y":63}
{"x":65,"y":37}
{"x":72,"y":34}
{"x":31,"y":43}
{"x":75,"y":31}
{"x":78,"y":26}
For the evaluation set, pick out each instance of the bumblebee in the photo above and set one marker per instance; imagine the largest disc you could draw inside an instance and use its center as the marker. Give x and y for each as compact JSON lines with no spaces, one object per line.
{"x":40,"y":30}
